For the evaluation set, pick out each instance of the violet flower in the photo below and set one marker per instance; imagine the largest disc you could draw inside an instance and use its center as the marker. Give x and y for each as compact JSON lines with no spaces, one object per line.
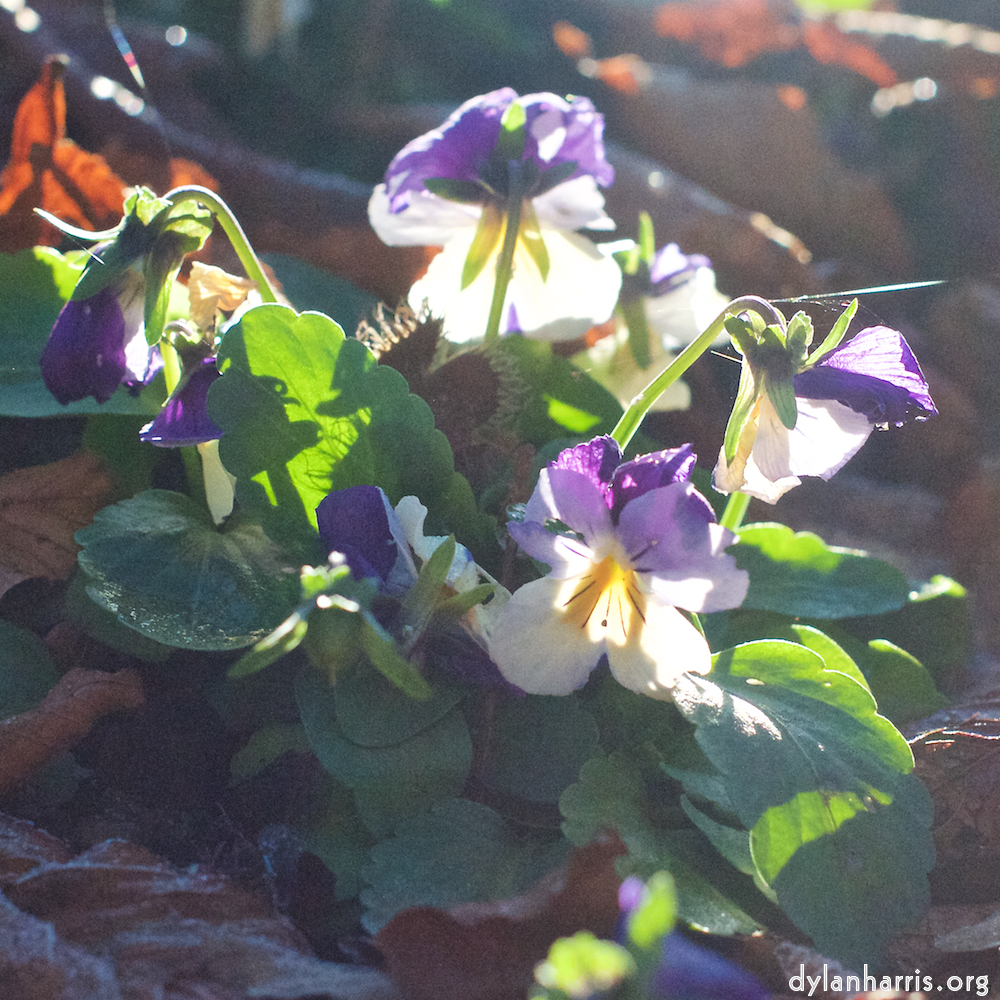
{"x":686,"y":969}
{"x":678,"y":296}
{"x":873,"y":380}
{"x":184,"y":418}
{"x":451,"y":188}
{"x":99,"y":343}
{"x":628,"y":544}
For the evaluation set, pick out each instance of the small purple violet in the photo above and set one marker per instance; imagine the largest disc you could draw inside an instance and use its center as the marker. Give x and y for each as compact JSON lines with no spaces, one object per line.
{"x":98,"y":343}
{"x":628,"y":544}
{"x":872,"y":380}
{"x":184,"y":418}
{"x":451,"y":187}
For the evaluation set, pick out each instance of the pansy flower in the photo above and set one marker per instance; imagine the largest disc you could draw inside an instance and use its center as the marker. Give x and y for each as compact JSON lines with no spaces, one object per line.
{"x":184,"y":418}
{"x":453,"y":187}
{"x":872,"y":380}
{"x":99,"y":343}
{"x":665,"y":306}
{"x":627,"y":545}
{"x":380,"y":542}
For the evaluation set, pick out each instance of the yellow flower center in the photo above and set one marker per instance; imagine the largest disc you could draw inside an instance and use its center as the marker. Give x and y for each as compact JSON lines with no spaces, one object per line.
{"x":606,"y":601}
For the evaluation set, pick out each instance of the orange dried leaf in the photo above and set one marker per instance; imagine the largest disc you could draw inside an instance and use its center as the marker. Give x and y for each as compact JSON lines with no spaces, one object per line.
{"x":47,"y":170}
{"x":41,"y":509}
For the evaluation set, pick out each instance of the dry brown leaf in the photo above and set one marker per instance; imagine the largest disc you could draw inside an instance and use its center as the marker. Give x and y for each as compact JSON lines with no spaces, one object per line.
{"x":47,"y":170}
{"x":30,"y":740}
{"x":41,"y":508}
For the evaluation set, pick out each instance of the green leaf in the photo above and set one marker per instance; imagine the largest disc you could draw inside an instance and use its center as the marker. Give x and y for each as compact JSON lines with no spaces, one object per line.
{"x":372,"y":713}
{"x":539,"y":745}
{"x":393,"y":782}
{"x":900,"y":682}
{"x":305,"y":412}
{"x":611,"y":794}
{"x":27,"y":672}
{"x":853,"y":891}
{"x":381,"y":651}
{"x":265,"y":746}
{"x":558,"y":399}
{"x":801,"y":576}
{"x":459,"y":852}
{"x":160,"y":564}
{"x":653,"y":919}
{"x":807,"y":761}
{"x":309,"y":288}
{"x":836,"y":334}
{"x":34,"y":285}
{"x":422,"y":598}
{"x":582,"y":966}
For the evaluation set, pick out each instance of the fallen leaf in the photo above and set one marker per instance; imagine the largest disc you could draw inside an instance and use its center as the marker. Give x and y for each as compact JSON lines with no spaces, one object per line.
{"x":41,"y":508}
{"x":47,"y":170}
{"x":489,"y":950}
{"x":30,"y":740}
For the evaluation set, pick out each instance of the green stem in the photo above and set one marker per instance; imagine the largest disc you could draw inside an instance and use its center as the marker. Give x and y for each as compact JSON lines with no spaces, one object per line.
{"x":625,"y":429}
{"x":505,"y":267}
{"x":232,"y":229}
{"x":736,"y":508}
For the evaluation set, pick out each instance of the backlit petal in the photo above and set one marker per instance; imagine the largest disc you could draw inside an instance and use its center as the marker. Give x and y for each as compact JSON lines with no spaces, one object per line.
{"x":658,"y":653}
{"x":537,"y":648}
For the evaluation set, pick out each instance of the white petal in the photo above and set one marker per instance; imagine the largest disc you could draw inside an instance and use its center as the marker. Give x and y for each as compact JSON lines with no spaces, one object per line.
{"x":678,"y":316}
{"x":581,"y":289}
{"x":465,"y":311}
{"x":827,"y":435}
{"x":427,"y":221}
{"x":463,"y":574}
{"x":536,"y":649}
{"x":575,"y":204}
{"x":654,"y":656}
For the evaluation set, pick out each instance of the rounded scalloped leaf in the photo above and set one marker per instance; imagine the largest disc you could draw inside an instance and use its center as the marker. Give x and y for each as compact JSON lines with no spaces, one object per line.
{"x":305,"y":410}
{"x":798,"y":574}
{"x":158,"y":562}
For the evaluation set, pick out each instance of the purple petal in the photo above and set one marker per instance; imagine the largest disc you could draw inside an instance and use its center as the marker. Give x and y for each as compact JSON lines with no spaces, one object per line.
{"x":459,"y":659}
{"x":649,"y":472}
{"x":876,"y":374}
{"x":571,"y":497}
{"x":671,"y":268}
{"x":597,"y":460}
{"x":557,"y":132}
{"x":184,"y":419}
{"x":355,"y":521}
{"x":689,"y":970}
{"x":456,"y":150}
{"x":85,"y":354}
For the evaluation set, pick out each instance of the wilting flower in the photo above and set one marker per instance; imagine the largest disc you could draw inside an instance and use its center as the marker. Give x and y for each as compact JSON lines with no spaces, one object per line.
{"x":628,"y":544}
{"x":871,"y":381}
{"x":98,"y":343}
{"x":678,"y":299}
{"x":184,"y":418}
{"x":452,"y":188}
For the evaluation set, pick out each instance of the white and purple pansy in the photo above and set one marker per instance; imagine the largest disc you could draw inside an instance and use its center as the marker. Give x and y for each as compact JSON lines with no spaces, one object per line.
{"x":678,"y":299}
{"x":627,"y":543}
{"x":872,"y":380}
{"x":99,"y":343}
{"x":379,"y":542}
{"x":452,"y":188}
